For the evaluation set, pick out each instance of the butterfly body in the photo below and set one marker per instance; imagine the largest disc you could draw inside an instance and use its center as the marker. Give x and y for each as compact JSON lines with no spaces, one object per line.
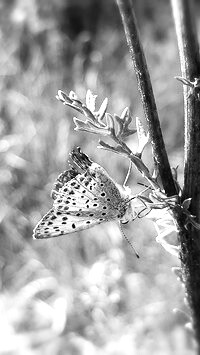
{"x":84,"y":195}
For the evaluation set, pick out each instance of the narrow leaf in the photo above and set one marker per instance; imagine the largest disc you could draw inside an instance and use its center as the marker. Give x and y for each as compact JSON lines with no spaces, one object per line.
{"x":110,"y":123}
{"x":102,"y":110}
{"x":61,"y":96}
{"x":143,"y":138}
{"x":90,"y":100}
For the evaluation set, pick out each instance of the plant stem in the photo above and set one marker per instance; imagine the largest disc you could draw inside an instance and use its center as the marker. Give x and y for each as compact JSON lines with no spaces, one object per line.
{"x":190,"y":240}
{"x":147,"y":96}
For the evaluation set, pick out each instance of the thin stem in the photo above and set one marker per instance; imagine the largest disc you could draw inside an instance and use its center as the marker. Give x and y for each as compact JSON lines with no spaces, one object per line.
{"x":146,"y":93}
{"x":190,"y":67}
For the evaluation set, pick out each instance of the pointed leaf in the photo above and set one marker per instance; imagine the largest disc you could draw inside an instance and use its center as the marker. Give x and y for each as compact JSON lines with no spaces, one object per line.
{"x":102,"y":110}
{"x":126,"y":115}
{"x":79,"y":124}
{"x":119,"y":125}
{"x":61,"y":96}
{"x":105,"y":145}
{"x":88,"y":113}
{"x":143,"y":138}
{"x":90,"y":100}
{"x":110,"y":123}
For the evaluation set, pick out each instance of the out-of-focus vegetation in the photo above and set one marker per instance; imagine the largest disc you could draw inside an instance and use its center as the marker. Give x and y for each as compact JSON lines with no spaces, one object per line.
{"x":85,"y":293}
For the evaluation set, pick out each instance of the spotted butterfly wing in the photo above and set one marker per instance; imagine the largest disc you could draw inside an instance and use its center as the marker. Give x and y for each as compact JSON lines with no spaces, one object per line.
{"x":84,"y":196}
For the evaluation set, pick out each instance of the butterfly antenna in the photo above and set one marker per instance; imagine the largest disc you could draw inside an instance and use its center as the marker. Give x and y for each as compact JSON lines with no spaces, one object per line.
{"x":124,"y":235}
{"x":128,"y":174}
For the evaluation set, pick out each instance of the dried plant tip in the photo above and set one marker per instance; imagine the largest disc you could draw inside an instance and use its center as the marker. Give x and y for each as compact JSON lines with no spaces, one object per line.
{"x":183,"y":81}
{"x":186,"y":203}
{"x":193,"y":85}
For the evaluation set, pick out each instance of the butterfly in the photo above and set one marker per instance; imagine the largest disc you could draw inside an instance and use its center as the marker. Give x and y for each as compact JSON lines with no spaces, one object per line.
{"x":84,"y":196}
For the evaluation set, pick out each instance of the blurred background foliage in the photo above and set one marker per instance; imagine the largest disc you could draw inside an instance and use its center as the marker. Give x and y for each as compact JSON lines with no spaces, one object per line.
{"x":85,"y":293}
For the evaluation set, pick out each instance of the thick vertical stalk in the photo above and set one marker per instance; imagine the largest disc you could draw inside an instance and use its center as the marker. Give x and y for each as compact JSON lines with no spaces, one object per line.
{"x":190,"y":66}
{"x":146,"y":93}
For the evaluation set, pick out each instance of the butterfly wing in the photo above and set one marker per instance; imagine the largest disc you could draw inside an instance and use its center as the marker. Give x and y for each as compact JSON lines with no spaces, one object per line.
{"x":92,"y":189}
{"x":83,"y":197}
{"x":55,"y":223}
